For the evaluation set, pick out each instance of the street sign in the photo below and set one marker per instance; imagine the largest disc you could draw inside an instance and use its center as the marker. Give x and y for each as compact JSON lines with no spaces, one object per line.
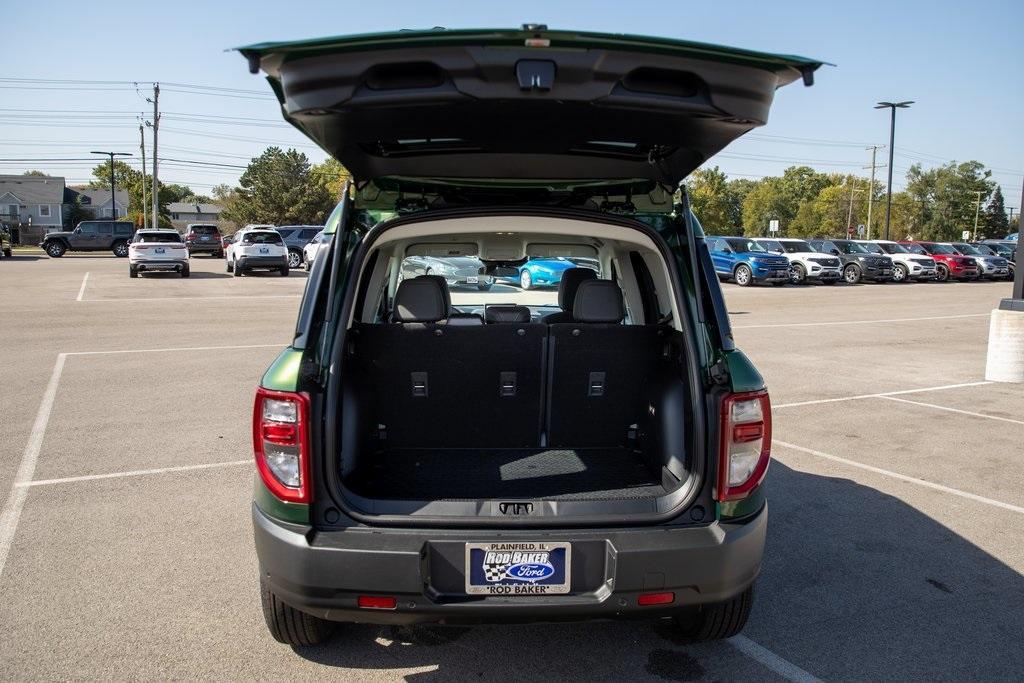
{"x":773,"y":225}
{"x":860,"y":230}
{"x":966,"y":235}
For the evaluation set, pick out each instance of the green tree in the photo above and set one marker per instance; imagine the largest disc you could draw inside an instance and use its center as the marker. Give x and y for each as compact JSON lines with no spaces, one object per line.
{"x":836,"y":208}
{"x":739,"y":188}
{"x":709,"y":199}
{"x":995,"y":222}
{"x":36,"y":174}
{"x":183,"y":193}
{"x":779,"y":198}
{"x":947,"y":196}
{"x":278,"y":187}
{"x":332,"y":175}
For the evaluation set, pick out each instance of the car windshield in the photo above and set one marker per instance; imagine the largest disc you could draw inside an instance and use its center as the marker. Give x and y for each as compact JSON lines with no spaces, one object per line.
{"x":985,"y":250}
{"x":771,"y":245}
{"x":534,"y":283}
{"x":917,"y":249}
{"x":261,"y":238}
{"x":851,"y":248}
{"x":967,"y":249}
{"x":739,"y":244}
{"x":148,"y":237}
{"x":894,"y":248}
{"x":942,"y":249}
{"x":872,"y":248}
{"x":795,"y":246}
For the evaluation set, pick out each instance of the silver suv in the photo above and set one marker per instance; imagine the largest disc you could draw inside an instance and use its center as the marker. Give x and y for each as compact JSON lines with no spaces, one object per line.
{"x":296,"y":237}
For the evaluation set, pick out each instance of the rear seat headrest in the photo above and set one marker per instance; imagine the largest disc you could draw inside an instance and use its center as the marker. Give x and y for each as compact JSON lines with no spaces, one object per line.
{"x":598,"y":301}
{"x":421,"y":300}
{"x":507,"y":313}
{"x":570,"y":283}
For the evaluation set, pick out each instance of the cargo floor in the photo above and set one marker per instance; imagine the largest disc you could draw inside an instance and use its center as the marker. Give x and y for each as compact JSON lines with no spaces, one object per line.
{"x":471,"y":473}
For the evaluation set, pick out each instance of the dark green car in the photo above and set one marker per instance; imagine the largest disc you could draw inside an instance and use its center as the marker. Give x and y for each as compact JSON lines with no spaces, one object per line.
{"x":428,"y":455}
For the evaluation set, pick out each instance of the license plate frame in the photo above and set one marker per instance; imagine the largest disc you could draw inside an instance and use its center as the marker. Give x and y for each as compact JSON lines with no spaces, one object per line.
{"x":472,"y":280}
{"x":545,"y":566}
{"x":159,"y":250}
{"x":264,"y":250}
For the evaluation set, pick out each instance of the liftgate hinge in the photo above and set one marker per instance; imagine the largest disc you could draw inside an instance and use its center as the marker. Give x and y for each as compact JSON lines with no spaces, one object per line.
{"x":719,"y":372}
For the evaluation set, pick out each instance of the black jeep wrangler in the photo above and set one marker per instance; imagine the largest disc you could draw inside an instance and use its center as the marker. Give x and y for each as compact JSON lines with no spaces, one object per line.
{"x":91,"y":236}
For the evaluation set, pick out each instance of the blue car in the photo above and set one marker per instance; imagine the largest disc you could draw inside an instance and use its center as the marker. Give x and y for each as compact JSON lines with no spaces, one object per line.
{"x":544,"y":272}
{"x":1012,"y":237}
{"x":746,"y":262}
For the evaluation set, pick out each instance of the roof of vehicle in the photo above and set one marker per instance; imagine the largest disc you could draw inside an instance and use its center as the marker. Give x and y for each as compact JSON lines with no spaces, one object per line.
{"x":575,"y":106}
{"x":162,"y":230}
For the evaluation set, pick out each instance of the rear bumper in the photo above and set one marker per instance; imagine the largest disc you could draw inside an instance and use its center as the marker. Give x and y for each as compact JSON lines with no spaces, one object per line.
{"x":165,"y":264}
{"x":205,"y":247}
{"x":262,"y":261}
{"x":324,"y":573}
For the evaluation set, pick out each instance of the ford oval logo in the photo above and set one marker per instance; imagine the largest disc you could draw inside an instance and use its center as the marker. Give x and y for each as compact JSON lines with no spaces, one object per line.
{"x":530,"y":571}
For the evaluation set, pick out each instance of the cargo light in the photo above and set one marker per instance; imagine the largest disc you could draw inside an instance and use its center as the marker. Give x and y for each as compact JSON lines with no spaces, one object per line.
{"x":648,"y":599}
{"x":281,"y":443}
{"x":746,"y":443}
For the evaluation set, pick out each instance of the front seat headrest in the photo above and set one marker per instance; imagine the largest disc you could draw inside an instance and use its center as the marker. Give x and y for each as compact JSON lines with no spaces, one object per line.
{"x":421,"y":300}
{"x":570,"y":282}
{"x":598,"y":301}
{"x":507,"y":313}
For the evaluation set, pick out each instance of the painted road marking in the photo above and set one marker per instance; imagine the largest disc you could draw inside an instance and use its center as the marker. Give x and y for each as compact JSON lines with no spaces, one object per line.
{"x":954,"y":410}
{"x":132,"y":473}
{"x":231,"y":297}
{"x":81,"y":291}
{"x":884,"y":394}
{"x":772,"y":661}
{"x":862,"y":322}
{"x":177,"y":348}
{"x":29,"y":457}
{"x":903,"y":477}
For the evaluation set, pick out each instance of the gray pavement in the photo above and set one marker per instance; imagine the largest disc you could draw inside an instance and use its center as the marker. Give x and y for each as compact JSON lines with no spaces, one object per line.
{"x":896,"y":542}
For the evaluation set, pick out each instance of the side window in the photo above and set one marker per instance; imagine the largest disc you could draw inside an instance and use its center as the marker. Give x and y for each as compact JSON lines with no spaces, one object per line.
{"x":123,"y":229}
{"x":88,"y":228}
{"x":106,"y":229}
{"x":309,"y":234}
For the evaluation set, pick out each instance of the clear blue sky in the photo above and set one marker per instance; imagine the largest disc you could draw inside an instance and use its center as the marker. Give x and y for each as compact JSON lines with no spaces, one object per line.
{"x":962,"y":63}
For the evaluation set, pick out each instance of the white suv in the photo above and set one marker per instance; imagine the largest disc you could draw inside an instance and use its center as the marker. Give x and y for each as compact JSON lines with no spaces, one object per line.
{"x":257,"y":248}
{"x":907,"y":265}
{"x":157,"y":250}
{"x":805,"y":264}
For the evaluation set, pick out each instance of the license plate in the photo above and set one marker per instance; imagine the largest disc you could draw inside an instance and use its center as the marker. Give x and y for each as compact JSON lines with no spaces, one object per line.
{"x":518,"y":568}
{"x":158,"y":250}
{"x":886,"y":271}
{"x":472,"y":280}
{"x":264,"y":250}
{"x":204,"y":239}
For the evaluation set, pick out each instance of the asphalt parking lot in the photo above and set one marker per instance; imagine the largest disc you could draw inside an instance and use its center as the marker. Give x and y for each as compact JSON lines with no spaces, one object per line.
{"x":896,"y":543}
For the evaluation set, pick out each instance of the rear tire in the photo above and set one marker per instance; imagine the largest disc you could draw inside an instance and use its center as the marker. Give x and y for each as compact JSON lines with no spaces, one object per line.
{"x":133,"y":271}
{"x":284,"y":272}
{"x":294,"y":258}
{"x":900,"y":273}
{"x":798,"y":274}
{"x":7,"y":254}
{"x":941,"y":273}
{"x":185,"y":272}
{"x":229,"y":266}
{"x":237,"y":269}
{"x":851,"y":274}
{"x":718,"y":621}
{"x":120,"y":249}
{"x":525,"y":280}
{"x":290,"y":626}
{"x":55,"y":249}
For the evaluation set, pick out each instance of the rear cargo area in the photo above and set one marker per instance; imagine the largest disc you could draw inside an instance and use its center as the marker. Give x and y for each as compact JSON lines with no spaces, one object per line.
{"x":532,"y":473}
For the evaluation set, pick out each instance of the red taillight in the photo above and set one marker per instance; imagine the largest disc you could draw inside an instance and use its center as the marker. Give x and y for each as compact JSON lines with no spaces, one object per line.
{"x":648,"y":599}
{"x":280,"y":435}
{"x":746,"y":444}
{"x":377,"y":602}
{"x":139,"y":246}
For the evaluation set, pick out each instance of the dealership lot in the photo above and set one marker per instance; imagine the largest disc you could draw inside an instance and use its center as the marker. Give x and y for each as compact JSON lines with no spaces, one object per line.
{"x":896,"y":544}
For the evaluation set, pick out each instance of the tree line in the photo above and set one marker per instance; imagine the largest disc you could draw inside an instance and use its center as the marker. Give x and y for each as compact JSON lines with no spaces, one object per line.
{"x":937,"y":204}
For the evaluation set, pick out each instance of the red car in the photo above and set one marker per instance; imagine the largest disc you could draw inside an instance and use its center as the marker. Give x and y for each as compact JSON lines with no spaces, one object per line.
{"x":948,"y":263}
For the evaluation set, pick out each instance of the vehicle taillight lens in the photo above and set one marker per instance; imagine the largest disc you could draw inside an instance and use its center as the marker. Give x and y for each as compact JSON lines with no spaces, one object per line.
{"x":280,"y":435}
{"x":746,"y":444}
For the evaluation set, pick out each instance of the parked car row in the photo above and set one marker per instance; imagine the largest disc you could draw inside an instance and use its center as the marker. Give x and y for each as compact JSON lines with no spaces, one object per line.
{"x":778,"y":261}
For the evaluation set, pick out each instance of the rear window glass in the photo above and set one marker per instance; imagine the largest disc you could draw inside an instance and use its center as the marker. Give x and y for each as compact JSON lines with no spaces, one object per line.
{"x":261,"y":238}
{"x":149,"y":237}
{"x":204,"y":229}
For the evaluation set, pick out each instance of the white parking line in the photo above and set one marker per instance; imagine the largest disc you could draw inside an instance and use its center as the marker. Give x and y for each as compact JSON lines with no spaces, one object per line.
{"x":955,"y":410}
{"x":772,"y":661}
{"x":903,"y":477}
{"x":177,"y":348}
{"x":884,"y":394}
{"x":132,"y":473}
{"x":81,"y":291}
{"x":862,"y":322}
{"x":16,"y":499}
{"x":231,"y":297}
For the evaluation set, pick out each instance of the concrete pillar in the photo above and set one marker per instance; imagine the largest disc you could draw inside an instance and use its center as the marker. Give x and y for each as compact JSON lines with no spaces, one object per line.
{"x":1005,"y":346}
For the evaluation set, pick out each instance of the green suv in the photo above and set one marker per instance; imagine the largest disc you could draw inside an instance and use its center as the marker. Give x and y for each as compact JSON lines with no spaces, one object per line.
{"x":433,"y":453}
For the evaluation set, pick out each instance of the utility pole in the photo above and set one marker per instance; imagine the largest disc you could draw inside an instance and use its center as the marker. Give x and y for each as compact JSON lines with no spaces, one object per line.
{"x":1011,"y":208}
{"x":156,"y":127}
{"x":145,"y":202}
{"x":892,"y":135}
{"x":849,"y":212}
{"x":977,"y":210}
{"x":871,"y":185}
{"x":113,"y":203}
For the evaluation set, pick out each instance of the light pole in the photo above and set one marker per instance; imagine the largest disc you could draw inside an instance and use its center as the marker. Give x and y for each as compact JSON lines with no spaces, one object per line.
{"x":113,"y":204}
{"x":892,"y":133}
{"x":977,"y":210}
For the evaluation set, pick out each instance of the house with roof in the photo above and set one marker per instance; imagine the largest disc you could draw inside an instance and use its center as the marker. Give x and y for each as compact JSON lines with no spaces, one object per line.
{"x":183,"y":213}
{"x":97,"y":202}
{"x":31,"y":206}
